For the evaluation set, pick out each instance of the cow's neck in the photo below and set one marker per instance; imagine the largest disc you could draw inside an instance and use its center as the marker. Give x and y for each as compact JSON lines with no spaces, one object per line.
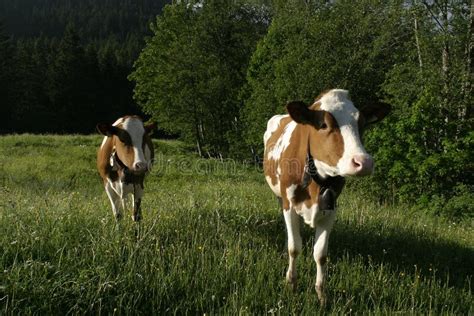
{"x":124,"y":173}
{"x":329,"y":187}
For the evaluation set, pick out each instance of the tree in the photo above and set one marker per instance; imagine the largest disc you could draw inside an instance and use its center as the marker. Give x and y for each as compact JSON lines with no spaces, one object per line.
{"x":429,"y":139}
{"x":314,"y":45}
{"x":191,"y":71}
{"x":70,"y":86}
{"x":31,"y":102}
{"x":6,"y":79}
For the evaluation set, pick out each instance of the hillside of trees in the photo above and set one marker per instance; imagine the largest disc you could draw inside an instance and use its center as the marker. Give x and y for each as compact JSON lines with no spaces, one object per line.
{"x":215,"y":74}
{"x":65,"y":60}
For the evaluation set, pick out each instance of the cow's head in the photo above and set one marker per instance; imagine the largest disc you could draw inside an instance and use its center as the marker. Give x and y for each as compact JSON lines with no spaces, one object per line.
{"x":129,"y":140}
{"x":335,"y":129}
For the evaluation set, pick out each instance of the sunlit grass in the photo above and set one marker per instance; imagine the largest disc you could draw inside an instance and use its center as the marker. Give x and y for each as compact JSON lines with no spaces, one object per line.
{"x":212,"y":241}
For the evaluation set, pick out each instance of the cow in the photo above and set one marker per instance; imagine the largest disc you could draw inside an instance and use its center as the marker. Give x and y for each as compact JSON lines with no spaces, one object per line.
{"x":308,"y":152}
{"x":123,"y":160}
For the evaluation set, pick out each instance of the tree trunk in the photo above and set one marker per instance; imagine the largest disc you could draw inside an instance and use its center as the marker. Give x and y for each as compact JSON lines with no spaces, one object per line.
{"x":198,"y":141}
{"x":417,"y":41}
{"x":445,"y":70}
{"x":466,"y":109}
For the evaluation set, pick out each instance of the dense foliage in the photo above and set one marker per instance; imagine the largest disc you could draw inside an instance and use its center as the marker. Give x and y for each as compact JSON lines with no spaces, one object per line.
{"x":62,"y":60}
{"x":191,"y":72}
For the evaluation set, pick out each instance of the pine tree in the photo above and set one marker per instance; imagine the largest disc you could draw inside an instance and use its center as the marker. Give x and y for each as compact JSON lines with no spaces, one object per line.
{"x":6,"y":80}
{"x":70,"y":86}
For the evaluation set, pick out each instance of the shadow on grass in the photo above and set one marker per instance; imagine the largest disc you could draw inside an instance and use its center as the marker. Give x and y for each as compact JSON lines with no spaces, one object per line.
{"x":401,"y":248}
{"x":404,"y":249}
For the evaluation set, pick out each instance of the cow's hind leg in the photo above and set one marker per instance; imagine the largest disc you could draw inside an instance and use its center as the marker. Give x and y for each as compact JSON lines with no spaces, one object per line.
{"x":323,"y":229}
{"x":115,"y":200}
{"x":292,"y":221}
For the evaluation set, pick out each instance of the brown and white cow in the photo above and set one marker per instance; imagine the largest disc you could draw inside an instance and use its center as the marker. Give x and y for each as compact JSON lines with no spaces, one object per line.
{"x":307,"y":155}
{"x":123,"y":160}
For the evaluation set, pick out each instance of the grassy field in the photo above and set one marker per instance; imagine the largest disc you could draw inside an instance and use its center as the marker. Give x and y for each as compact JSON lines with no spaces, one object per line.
{"x":212,"y":241}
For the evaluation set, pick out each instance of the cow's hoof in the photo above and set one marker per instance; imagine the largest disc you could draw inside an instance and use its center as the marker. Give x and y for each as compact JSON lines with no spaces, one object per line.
{"x":291,"y":281}
{"x":321,"y":295}
{"x":118,"y":216}
{"x":136,"y":218}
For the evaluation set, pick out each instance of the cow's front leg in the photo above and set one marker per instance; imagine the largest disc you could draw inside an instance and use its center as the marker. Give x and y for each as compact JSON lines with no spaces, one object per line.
{"x":115,"y":200}
{"x":292,"y":221}
{"x":137,"y":201}
{"x":323,"y":229}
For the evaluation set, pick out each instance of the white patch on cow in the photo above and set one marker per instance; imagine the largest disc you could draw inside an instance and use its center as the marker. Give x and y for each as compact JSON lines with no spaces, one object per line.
{"x":294,"y":243}
{"x":113,"y":197}
{"x":308,"y":213}
{"x":275,"y":188}
{"x":346,"y":114}
{"x":325,"y":170}
{"x":272,"y":126}
{"x":135,"y":129}
{"x":283,"y":142}
{"x":290,"y":192}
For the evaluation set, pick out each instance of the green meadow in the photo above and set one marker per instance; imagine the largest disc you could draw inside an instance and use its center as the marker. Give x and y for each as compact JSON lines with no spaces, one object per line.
{"x":212,"y":241}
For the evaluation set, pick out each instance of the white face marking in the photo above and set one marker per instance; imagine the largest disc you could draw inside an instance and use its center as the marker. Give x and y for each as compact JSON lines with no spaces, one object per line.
{"x":135,"y":129}
{"x":283,"y":142}
{"x":338,"y":104}
{"x":272,"y":126}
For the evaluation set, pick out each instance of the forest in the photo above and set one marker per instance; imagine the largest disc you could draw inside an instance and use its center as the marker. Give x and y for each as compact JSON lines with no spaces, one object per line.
{"x":64,"y":60}
{"x":213,"y":72}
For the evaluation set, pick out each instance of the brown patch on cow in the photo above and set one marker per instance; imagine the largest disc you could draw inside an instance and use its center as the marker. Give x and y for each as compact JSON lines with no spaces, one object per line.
{"x":103,"y":161}
{"x":326,"y":144}
{"x":291,"y":163}
{"x":270,"y":166}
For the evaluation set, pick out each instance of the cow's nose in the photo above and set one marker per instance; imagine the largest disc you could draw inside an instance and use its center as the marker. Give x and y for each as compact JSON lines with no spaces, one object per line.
{"x":362,"y":164}
{"x":139,"y":166}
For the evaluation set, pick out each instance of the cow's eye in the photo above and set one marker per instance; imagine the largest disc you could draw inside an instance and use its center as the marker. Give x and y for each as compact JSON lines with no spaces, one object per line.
{"x":125,"y":139}
{"x":324,"y":126}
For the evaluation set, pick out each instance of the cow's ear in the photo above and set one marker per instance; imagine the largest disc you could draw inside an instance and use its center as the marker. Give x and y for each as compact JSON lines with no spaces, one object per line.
{"x":375,"y":113}
{"x":149,"y":128}
{"x":300,"y":113}
{"x":106,"y":129}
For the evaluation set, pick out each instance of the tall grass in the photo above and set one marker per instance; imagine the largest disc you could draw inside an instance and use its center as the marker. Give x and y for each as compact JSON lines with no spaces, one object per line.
{"x":212,"y":241}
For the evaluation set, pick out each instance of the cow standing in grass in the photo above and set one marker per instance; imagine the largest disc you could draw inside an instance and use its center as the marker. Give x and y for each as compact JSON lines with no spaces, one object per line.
{"x":307,"y":155}
{"x":123,"y":160}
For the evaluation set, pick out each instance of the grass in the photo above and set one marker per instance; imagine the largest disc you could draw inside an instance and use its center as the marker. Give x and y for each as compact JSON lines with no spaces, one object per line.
{"x":212,"y":241}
